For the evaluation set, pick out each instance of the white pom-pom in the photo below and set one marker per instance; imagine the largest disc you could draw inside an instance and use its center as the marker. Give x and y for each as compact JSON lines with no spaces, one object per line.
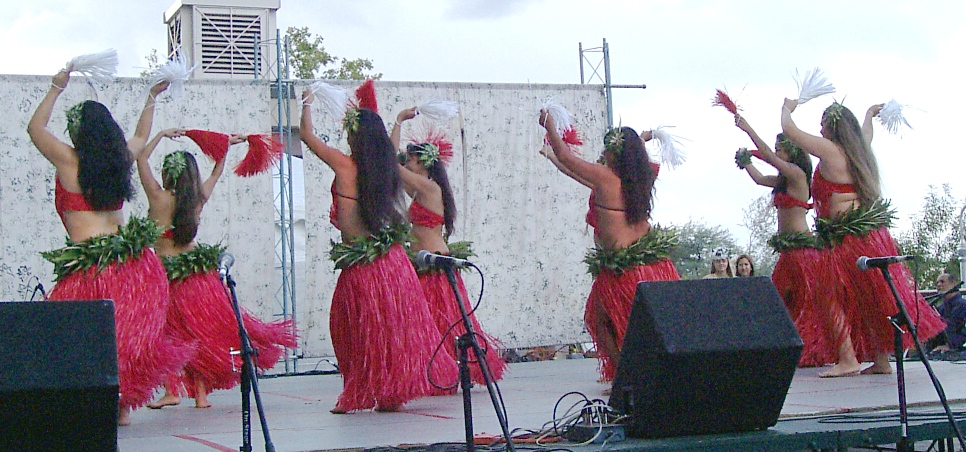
{"x":560,"y":115}
{"x":891,"y":117}
{"x":175,"y":72}
{"x":100,"y":67}
{"x":812,"y":85}
{"x":438,"y":110}
{"x":334,"y":99}
{"x":669,"y":147}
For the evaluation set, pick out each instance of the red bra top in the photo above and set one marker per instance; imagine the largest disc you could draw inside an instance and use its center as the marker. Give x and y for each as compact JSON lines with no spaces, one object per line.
{"x":334,"y":209}
{"x":785,"y":201}
{"x":592,"y":211}
{"x":69,"y":201}
{"x":419,"y":215}
{"x":822,"y":191}
{"x":168,"y":234}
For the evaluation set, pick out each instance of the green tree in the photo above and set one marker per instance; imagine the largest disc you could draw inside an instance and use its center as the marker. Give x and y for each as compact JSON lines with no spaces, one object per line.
{"x":933,"y":237}
{"x":762,"y":222}
{"x":153,"y":63}
{"x":696,"y":241}
{"x":307,"y":56}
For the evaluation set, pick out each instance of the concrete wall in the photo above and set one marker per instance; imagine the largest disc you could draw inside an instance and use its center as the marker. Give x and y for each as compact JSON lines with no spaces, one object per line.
{"x":525,"y":219}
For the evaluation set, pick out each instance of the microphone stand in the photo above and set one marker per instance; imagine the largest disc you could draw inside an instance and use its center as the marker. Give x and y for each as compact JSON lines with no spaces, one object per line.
{"x":249,"y":380}
{"x":898,"y":320}
{"x":464,"y":343}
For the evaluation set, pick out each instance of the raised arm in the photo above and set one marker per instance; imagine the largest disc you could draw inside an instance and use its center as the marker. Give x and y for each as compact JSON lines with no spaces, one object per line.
{"x":767,"y":154}
{"x":330,"y":155}
{"x":589,"y":172}
{"x":208,"y":187}
{"x":817,"y":146}
{"x":867,"y":129}
{"x":403,"y":116}
{"x":760,"y":179}
{"x":143,"y":129}
{"x":54,"y":150}
{"x":547,"y":151}
{"x":151,"y":186}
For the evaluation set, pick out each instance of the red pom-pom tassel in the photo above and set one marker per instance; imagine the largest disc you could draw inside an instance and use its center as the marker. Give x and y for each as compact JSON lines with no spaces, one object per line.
{"x":366,"y":96}
{"x":213,"y":144}
{"x":721,"y":99}
{"x":263,"y":151}
{"x":571,"y":137}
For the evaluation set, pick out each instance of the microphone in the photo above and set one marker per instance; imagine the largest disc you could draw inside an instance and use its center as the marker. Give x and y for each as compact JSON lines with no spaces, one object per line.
{"x":425,"y":259}
{"x":864,"y":263}
{"x":225,"y":261}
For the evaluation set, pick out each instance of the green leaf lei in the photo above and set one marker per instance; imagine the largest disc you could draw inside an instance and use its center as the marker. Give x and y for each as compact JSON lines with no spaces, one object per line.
{"x":651,"y":248}
{"x":460,"y":250}
{"x":786,"y":241}
{"x":74,"y":116}
{"x":858,"y":222}
{"x":202,"y":259}
{"x":743,"y":158}
{"x":102,"y":250}
{"x":174,"y":164}
{"x":368,"y":249}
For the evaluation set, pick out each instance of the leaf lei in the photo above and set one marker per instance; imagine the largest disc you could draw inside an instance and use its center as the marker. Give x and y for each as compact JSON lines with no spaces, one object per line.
{"x":460,"y":250}
{"x":833,"y":113}
{"x":653,"y":247}
{"x":857,"y":222}
{"x":427,"y":154}
{"x":368,"y":249}
{"x":202,"y":259}
{"x":351,"y":120}
{"x":102,"y":250}
{"x":614,"y":141}
{"x":787,"y":241}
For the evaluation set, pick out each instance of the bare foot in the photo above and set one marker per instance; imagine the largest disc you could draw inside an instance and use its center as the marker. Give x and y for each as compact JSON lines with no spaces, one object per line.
{"x":877,"y":369}
{"x":605,"y":392}
{"x":167,"y":400}
{"x":202,"y":403}
{"x":337,"y":410}
{"x":388,"y":409}
{"x":124,"y":417}
{"x":840,"y":370}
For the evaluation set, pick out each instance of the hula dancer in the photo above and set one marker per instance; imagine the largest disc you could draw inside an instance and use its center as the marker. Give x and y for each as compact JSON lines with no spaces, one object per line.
{"x":433,"y":215}
{"x":382,"y":331}
{"x":93,"y":179}
{"x":200,"y":310}
{"x":853,"y":221}
{"x":628,"y":249}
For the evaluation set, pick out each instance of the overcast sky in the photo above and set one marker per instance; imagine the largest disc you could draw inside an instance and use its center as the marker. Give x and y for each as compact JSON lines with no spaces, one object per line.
{"x":872,"y":51}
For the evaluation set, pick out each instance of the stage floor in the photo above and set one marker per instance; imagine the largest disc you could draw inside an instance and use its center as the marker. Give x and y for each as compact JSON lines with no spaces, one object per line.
{"x":297,"y":409}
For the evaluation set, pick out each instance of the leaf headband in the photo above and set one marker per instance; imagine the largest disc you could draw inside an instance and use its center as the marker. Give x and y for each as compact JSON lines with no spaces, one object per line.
{"x":174,"y":165}
{"x":74,"y":116}
{"x":614,"y":141}
{"x":431,"y":148}
{"x":832,"y":114}
{"x":790,"y":146}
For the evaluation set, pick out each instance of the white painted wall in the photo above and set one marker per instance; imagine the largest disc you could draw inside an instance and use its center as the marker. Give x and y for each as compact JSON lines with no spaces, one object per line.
{"x":525,"y":218}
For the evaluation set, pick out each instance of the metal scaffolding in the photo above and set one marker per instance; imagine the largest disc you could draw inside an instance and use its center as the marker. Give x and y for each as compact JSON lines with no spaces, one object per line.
{"x":283,"y":91}
{"x":604,"y":50}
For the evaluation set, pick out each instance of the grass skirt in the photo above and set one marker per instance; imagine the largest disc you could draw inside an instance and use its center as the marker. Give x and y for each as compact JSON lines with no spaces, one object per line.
{"x":795,"y":278}
{"x":613,"y":294}
{"x":384,"y":336}
{"x":146,"y":354}
{"x":861,"y":301}
{"x":446,"y":312}
{"x":201,"y":311}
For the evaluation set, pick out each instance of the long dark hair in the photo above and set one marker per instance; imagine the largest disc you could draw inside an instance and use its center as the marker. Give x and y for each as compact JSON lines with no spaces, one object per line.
{"x":842,"y":128}
{"x":633,"y":166}
{"x":437,"y":173}
{"x":797,"y":156}
{"x":104,"y":161}
{"x":187,"y":196}
{"x":377,"y":175}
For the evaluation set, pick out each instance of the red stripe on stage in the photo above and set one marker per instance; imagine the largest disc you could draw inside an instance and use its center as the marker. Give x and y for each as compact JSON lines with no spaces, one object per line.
{"x":210,"y":444}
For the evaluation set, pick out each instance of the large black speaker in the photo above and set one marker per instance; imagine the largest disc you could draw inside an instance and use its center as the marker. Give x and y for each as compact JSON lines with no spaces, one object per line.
{"x":58,"y":376}
{"x":704,"y":357}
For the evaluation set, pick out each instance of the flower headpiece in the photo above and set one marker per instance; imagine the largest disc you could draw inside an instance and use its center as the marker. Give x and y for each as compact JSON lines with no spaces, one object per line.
{"x":174,"y":165}
{"x":75,"y":115}
{"x":432,"y":148}
{"x":832,"y":114}
{"x":614,"y":140}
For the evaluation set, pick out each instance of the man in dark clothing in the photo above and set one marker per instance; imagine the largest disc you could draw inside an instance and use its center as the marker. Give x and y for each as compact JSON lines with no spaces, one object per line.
{"x":953,"y":311}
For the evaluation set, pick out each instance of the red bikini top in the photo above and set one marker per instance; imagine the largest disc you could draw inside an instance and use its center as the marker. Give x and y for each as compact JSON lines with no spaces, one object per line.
{"x":822,"y":191}
{"x":592,"y":211}
{"x":69,"y":201}
{"x":168,"y":234}
{"x":419,"y":215}
{"x":785,"y":201}
{"x":334,"y":209}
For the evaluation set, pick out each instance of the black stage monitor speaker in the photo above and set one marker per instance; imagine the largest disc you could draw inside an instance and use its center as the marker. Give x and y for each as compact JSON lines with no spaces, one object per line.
{"x":704,"y":357}
{"x":58,"y":376}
